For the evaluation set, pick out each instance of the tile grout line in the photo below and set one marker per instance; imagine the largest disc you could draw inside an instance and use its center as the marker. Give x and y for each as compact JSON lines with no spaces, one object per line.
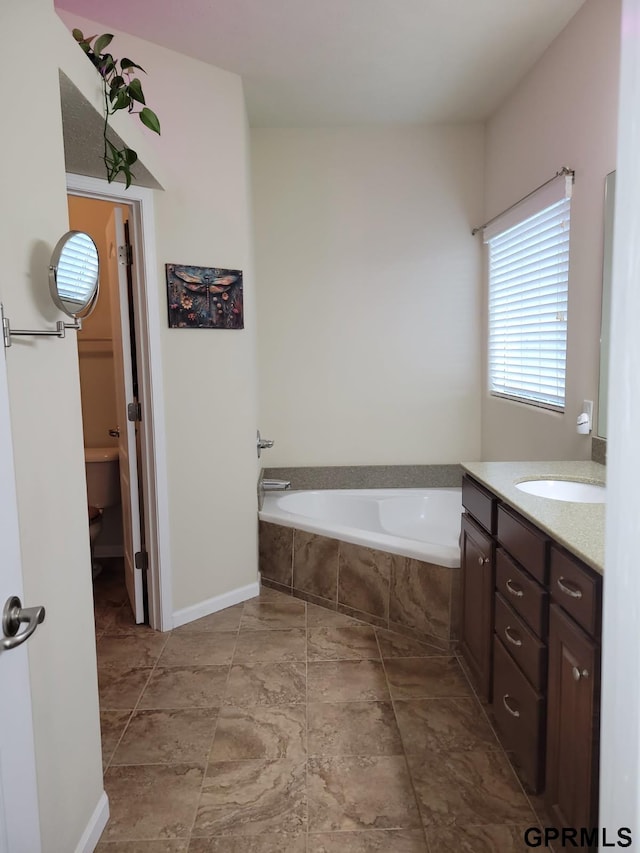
{"x":305,"y":661}
{"x":497,"y":747}
{"x":500,"y":747}
{"x":135,"y":707}
{"x":338,"y":561}
{"x":132,"y":712}
{"x":113,"y":752}
{"x":306,"y":723}
{"x":404,"y":750}
{"x":215,"y":728}
{"x":231,"y":664}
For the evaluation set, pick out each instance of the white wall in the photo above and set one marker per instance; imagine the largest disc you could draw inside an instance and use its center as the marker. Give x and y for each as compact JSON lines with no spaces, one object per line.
{"x":564,"y":113}
{"x":368,"y":286}
{"x":47,"y":432}
{"x":202,"y":218}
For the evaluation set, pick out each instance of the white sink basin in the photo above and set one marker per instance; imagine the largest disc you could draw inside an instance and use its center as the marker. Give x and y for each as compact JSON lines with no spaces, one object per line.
{"x":565,"y":490}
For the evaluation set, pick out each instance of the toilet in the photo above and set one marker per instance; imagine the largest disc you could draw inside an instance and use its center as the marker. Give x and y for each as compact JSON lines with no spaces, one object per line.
{"x":103,"y":489}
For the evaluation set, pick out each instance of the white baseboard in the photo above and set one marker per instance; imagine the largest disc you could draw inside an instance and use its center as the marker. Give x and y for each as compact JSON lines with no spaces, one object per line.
{"x":212,"y":605}
{"x":95,"y":827}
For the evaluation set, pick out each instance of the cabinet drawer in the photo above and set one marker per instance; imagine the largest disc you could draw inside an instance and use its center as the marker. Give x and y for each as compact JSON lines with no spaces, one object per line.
{"x":577,"y":590}
{"x":522,"y":644}
{"x":479,"y":503}
{"x":522,"y":592}
{"x":524,"y":542}
{"x":519,"y":714}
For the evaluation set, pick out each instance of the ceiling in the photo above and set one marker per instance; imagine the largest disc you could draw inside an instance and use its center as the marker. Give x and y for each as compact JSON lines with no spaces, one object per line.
{"x":352,"y":62}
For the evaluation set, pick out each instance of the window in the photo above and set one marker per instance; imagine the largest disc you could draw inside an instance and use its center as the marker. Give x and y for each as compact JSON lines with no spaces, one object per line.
{"x":528,"y":278}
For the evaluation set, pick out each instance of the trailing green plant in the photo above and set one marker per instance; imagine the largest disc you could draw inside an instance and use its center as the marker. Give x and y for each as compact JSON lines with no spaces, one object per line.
{"x":122,"y":91}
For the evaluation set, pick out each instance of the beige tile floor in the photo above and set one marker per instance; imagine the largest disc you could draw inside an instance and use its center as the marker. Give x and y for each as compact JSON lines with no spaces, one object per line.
{"x":276,"y":726}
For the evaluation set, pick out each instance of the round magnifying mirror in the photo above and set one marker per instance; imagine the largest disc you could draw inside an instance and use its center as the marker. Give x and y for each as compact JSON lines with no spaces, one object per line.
{"x":74,"y":274}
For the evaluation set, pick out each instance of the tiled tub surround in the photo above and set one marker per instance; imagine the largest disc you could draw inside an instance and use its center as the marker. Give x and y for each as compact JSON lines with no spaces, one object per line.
{"x":402,"y":594}
{"x":369,"y":476}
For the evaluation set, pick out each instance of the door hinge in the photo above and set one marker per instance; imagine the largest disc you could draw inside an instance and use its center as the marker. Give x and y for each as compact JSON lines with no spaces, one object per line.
{"x":141,"y":560}
{"x":125,"y":255}
{"x":134,"y":412}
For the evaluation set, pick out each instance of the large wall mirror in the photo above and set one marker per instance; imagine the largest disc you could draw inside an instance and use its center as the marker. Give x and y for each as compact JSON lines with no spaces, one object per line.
{"x":603,"y":395}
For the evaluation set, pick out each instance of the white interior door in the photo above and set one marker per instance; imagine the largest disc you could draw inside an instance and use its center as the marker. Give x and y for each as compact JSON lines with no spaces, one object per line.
{"x":117,"y":268}
{"x":19,"y":820}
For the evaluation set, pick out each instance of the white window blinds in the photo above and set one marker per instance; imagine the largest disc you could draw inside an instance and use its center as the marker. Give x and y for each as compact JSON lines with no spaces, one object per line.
{"x":528,"y":278}
{"x":78,"y":269}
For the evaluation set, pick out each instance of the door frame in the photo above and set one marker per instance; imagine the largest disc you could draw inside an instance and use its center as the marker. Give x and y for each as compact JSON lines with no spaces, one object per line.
{"x":153,"y":442}
{"x":120,"y":277}
{"x":620,"y":712}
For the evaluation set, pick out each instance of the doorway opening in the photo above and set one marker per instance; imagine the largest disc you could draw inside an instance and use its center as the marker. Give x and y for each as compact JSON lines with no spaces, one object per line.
{"x":109,"y":386}
{"x":122,"y":400}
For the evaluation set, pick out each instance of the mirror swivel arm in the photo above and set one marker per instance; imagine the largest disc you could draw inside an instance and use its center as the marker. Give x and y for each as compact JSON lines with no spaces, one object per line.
{"x":60,"y":331}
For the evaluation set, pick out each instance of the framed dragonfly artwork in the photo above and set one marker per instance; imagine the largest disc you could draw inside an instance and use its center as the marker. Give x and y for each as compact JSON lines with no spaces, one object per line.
{"x":204,"y":297}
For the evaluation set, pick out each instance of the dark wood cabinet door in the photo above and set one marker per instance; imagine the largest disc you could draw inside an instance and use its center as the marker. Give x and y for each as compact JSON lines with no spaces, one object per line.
{"x":572,"y":723}
{"x":478,"y":579}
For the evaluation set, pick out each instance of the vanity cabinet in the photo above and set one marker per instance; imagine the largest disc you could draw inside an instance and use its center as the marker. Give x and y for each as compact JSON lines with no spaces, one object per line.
{"x":573,"y":718}
{"x":518,"y":712}
{"x":477,"y":555}
{"x":531,"y":640}
{"x":520,"y":643}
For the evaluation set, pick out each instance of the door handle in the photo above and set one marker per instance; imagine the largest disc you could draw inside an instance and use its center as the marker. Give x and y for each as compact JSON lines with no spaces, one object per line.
{"x":115,"y":433}
{"x":513,"y":589}
{"x":13,"y":615}
{"x":511,"y":636}
{"x":512,"y":711}
{"x":569,"y":588}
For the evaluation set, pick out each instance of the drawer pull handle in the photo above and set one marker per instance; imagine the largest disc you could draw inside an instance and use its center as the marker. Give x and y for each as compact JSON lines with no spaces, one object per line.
{"x":509,"y":635}
{"x":572,"y":590}
{"x":508,"y":707}
{"x":514,"y":590}
{"x":483,"y":561}
{"x":578,"y":674}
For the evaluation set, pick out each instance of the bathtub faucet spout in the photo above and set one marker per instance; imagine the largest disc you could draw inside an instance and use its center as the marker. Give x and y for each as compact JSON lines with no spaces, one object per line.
{"x":276,"y":485}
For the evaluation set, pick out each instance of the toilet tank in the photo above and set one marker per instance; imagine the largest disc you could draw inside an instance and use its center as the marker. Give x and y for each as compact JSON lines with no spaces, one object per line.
{"x":103,"y":476}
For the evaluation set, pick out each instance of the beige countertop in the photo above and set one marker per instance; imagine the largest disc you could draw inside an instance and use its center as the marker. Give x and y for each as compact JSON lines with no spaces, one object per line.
{"x":577,"y":526}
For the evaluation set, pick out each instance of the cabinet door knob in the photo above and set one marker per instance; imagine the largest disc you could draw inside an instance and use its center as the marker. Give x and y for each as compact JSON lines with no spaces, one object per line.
{"x":569,"y":588}
{"x":514,"y":590}
{"x":579,"y":673}
{"x":483,"y":561}
{"x":508,"y":632}
{"x":506,"y":704}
